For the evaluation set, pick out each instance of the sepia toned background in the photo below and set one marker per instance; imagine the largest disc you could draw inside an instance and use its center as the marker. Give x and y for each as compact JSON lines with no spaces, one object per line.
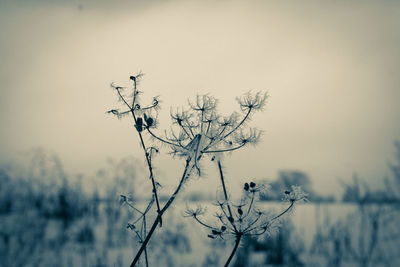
{"x":331,"y":70}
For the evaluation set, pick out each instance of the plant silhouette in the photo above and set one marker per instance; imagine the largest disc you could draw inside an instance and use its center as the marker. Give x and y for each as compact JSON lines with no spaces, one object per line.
{"x":196,"y":132}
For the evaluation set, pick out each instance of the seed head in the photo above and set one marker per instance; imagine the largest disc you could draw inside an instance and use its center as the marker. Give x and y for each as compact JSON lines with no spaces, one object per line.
{"x":246,"y":186}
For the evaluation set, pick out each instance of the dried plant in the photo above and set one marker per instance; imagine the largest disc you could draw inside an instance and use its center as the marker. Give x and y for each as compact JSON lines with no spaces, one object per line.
{"x":196,"y":132}
{"x":244,"y":218}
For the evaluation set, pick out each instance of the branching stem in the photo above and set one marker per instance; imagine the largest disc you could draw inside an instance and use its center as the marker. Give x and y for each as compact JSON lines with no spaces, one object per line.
{"x":160,"y":213}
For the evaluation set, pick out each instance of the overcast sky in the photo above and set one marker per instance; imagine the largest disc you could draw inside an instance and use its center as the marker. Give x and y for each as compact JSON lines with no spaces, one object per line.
{"x":332,"y":71}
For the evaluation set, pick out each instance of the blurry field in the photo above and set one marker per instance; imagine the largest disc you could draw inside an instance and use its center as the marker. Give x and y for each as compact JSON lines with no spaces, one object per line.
{"x":100,"y":238}
{"x":49,"y":218}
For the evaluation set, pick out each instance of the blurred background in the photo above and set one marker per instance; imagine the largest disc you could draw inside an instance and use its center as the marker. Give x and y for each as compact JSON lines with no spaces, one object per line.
{"x":331,"y":70}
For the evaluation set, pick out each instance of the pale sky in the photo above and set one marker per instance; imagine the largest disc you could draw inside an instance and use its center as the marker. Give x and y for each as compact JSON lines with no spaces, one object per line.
{"x":332,"y":70}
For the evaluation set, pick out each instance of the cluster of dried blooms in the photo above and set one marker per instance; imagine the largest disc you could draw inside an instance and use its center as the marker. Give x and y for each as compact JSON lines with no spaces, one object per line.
{"x":197,"y":132}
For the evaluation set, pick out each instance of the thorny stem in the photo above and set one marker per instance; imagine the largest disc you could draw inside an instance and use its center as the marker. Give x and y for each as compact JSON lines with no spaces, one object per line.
{"x":159,"y":215}
{"x":237,"y":242}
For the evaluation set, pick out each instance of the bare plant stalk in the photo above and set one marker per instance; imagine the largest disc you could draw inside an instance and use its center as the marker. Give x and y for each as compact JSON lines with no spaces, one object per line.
{"x":145,"y":249}
{"x":237,"y":242}
{"x":220,"y":135}
{"x":238,"y":234}
{"x":132,"y":110}
{"x":221,"y":175}
{"x":160,"y":213}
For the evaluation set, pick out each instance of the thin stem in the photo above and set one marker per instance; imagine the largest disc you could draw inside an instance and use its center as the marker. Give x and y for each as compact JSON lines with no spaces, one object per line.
{"x":143,"y":145}
{"x":221,"y":175}
{"x":251,"y":224}
{"x":145,"y":249}
{"x":183,"y":128}
{"x":265,"y":225}
{"x":237,"y":242}
{"x":224,"y":150}
{"x":145,"y":212}
{"x":150,"y":169}
{"x":123,"y":99}
{"x":240,"y":124}
{"x":160,"y":139}
{"x":251,"y":204}
{"x":201,"y":122}
{"x":158,"y":218}
{"x":224,"y":223}
{"x":200,"y":222}
{"x":172,"y":198}
{"x":144,"y":244}
{"x":190,"y":128}
{"x":208,"y":127}
{"x":283,"y":212}
{"x":145,"y":152}
{"x":212,"y":139}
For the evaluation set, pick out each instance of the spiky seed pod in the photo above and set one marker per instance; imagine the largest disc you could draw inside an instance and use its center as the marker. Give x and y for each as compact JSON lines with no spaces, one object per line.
{"x":252,"y":184}
{"x":215,"y":232}
{"x":139,"y":124}
{"x":287,"y":192}
{"x":231,"y":219}
{"x":240,"y":211}
{"x":149,"y":121}
{"x":131,"y":226}
{"x":246,"y":186}
{"x":223,"y":228}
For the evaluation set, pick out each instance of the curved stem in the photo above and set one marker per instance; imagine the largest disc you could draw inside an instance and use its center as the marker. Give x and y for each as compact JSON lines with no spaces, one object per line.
{"x":237,"y":242}
{"x":240,"y":124}
{"x":283,"y":212}
{"x":160,"y":139}
{"x":123,"y":99}
{"x":200,"y":222}
{"x":224,"y":150}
